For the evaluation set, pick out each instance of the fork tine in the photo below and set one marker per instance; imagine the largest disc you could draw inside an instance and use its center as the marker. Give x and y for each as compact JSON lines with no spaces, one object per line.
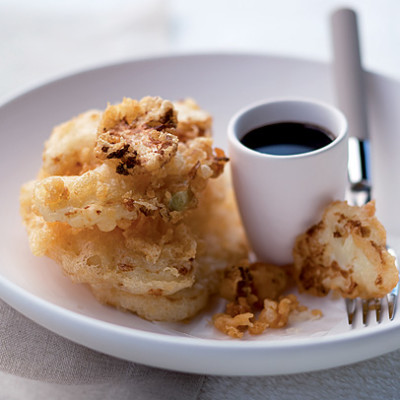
{"x":392,"y":296}
{"x":351,"y":307}
{"x":392,"y":302}
{"x":391,"y":306}
{"x":366,"y":306}
{"x":365,"y":309}
{"x":378,"y":309}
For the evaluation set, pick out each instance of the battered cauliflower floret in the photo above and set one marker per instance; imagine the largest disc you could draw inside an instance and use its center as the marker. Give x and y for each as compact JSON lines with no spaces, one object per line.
{"x":141,"y":168}
{"x":345,"y":252}
{"x":127,"y":207}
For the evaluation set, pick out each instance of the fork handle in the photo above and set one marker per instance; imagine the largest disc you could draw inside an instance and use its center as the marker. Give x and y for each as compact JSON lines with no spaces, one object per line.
{"x":359,"y":171}
{"x":348,"y":71}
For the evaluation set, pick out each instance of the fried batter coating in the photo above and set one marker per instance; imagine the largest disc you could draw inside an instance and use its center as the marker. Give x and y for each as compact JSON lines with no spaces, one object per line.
{"x":139,"y":268}
{"x":93,"y":198}
{"x":247,"y":286}
{"x":141,"y":264}
{"x":165,"y":179}
{"x":178,"y":306}
{"x":256,"y":301}
{"x":345,"y":252}
{"x":192,"y":120}
{"x":149,"y":240}
{"x":257,"y":280}
{"x":274,"y":315}
{"x":137,"y":135}
{"x":236,"y":326}
{"x":69,"y":150}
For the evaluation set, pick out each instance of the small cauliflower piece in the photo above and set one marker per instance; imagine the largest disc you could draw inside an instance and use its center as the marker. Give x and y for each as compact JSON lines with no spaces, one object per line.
{"x":137,"y":135}
{"x":345,"y":252}
{"x":192,"y":120}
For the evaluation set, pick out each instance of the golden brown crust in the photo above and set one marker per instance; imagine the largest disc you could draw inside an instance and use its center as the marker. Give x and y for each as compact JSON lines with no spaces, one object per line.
{"x":192,"y":120}
{"x":155,"y":306}
{"x":345,"y":252}
{"x":137,"y":135}
{"x":142,"y":240}
{"x":166,"y":179}
{"x":69,"y":150}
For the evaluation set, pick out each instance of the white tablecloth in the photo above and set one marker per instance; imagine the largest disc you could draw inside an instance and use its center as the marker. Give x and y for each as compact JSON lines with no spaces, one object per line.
{"x":42,"y":40}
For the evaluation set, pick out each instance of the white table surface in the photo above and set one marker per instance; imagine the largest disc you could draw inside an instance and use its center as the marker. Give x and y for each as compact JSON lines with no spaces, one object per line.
{"x":42,"y":40}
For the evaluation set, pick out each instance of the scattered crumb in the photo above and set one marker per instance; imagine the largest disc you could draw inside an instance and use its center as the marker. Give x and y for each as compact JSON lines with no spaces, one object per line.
{"x":256,"y":301}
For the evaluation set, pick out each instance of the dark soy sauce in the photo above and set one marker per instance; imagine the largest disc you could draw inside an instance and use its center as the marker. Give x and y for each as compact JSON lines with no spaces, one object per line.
{"x":287,"y":138}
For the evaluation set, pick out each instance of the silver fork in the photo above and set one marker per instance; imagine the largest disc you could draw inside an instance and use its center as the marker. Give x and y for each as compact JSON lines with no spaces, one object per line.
{"x":360,"y":194}
{"x":351,"y":96}
{"x":368,"y":305}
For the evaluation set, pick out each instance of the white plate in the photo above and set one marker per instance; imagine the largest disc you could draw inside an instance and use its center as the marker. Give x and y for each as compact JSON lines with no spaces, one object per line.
{"x":221,"y":84}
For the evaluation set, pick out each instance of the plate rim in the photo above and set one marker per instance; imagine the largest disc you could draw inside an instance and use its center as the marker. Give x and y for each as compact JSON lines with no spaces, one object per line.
{"x":41,"y":84}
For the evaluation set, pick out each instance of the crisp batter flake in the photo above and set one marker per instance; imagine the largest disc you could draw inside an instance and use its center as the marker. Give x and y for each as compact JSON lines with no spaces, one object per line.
{"x":256,"y":300}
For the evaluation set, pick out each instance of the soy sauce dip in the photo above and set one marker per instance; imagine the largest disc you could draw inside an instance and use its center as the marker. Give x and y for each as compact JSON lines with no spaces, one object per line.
{"x":287,"y":138}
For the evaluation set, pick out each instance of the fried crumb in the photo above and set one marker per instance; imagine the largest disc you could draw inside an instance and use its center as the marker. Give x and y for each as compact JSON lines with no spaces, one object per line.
{"x":256,"y":301}
{"x":234,"y":327}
